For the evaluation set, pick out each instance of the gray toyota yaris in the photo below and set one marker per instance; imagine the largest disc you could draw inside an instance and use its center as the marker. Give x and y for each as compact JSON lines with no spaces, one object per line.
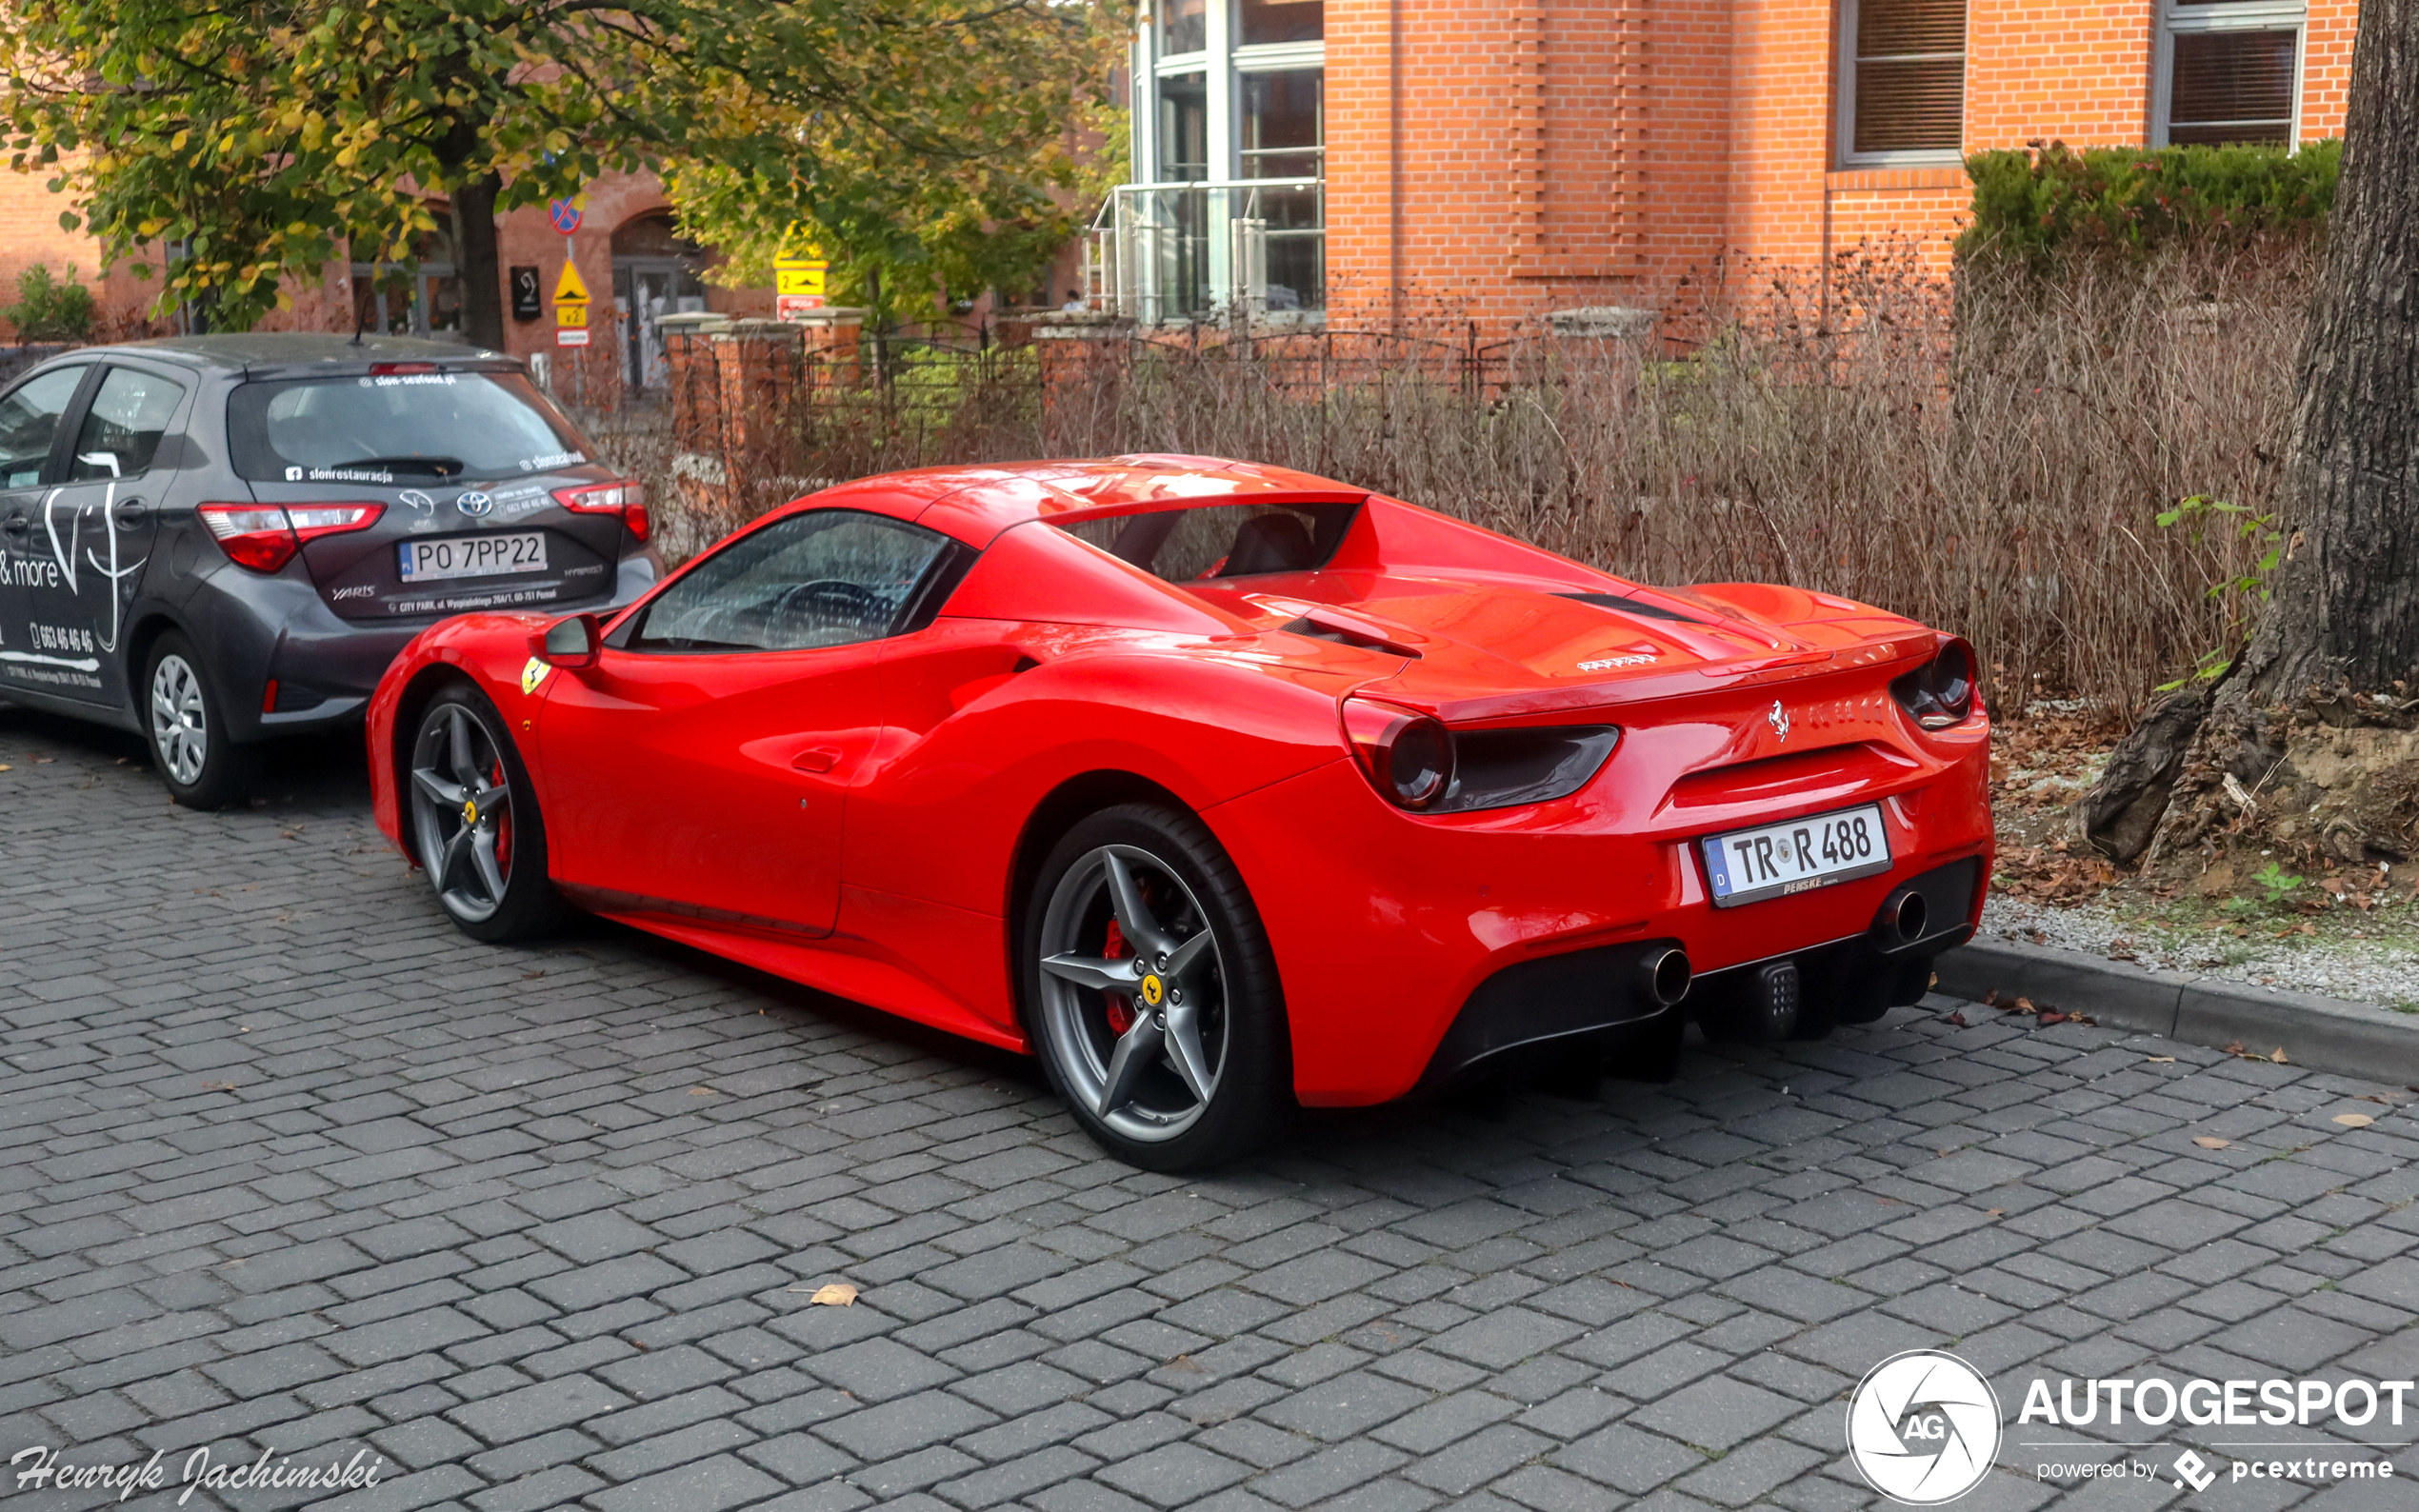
{"x":216,"y":540}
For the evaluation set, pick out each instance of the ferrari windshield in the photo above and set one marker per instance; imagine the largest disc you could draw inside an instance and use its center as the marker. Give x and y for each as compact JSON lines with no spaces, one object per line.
{"x":1221,"y":539}
{"x":385,"y":427}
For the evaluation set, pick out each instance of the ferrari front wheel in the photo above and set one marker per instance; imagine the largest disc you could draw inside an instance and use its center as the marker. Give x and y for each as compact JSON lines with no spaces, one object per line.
{"x":1154,"y":993}
{"x":474,"y":821}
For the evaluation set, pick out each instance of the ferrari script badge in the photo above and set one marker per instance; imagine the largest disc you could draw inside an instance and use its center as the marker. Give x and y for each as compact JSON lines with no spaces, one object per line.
{"x":1779,"y":720}
{"x":535,"y":672}
{"x":1153,"y":991}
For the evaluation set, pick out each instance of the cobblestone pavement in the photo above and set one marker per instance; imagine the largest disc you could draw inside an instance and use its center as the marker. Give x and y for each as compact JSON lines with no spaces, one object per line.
{"x":286,"y":1163}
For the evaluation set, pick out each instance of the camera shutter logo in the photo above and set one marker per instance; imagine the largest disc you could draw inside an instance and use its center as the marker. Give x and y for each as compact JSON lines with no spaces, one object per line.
{"x":1923,"y":1427}
{"x":473,"y":504}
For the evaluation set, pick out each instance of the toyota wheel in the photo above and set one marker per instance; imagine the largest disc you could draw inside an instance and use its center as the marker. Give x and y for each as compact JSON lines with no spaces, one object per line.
{"x":202,"y":766}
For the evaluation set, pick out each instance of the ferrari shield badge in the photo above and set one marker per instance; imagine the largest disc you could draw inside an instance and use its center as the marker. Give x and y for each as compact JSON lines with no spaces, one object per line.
{"x":533,"y":674}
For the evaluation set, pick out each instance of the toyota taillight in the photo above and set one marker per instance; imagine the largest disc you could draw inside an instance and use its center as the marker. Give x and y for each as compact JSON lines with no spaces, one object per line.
{"x":264,"y":537}
{"x":628,"y":500}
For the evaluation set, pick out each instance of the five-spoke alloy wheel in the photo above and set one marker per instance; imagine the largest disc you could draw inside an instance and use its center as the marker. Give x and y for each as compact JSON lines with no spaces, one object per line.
{"x":475,"y":821}
{"x":1153,"y":991}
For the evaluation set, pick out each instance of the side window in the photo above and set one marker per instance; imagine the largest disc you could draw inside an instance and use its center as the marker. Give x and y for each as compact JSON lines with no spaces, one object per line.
{"x":123,"y":430}
{"x":29,"y":419}
{"x":828,"y":577}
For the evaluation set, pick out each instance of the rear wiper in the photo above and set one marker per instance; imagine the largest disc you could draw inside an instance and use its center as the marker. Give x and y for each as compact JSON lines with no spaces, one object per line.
{"x":440,"y":467}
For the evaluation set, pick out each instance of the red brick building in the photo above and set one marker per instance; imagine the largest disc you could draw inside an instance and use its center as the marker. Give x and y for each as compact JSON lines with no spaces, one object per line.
{"x":634,"y":266}
{"x":1510,"y":157}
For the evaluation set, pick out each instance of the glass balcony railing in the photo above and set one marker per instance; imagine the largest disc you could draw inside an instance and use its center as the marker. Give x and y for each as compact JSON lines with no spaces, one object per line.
{"x":1242,"y":248}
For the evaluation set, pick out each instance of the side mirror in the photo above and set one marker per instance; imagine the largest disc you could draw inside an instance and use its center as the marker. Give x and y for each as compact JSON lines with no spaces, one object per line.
{"x":569,"y":643}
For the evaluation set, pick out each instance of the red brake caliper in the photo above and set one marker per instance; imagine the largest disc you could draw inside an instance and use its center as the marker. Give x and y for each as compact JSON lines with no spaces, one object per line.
{"x":503,"y":828}
{"x":1121,"y":1007}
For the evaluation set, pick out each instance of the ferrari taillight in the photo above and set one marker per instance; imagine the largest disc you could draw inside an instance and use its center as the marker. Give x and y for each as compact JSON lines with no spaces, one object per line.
{"x":628,"y":500}
{"x":1941,"y":692}
{"x":1407,"y":756}
{"x":1418,"y":762}
{"x":264,"y":537}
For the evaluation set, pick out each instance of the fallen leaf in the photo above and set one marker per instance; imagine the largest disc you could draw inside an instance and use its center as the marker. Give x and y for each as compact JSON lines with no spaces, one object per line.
{"x":2211,"y":1141}
{"x":2053,"y":1016}
{"x":838,"y":1294}
{"x":2025,"y":1005}
{"x":2354,"y":1119}
{"x":1933,"y":983}
{"x":2162,"y":1060}
{"x":701,"y":1091}
{"x":2235,"y":1048}
{"x":6,"y":768}
{"x":218,"y":1087}
{"x":2371,"y":1097}
{"x":2277,"y":1055}
{"x":1994,"y":1212}
{"x":1990,"y":999}
{"x":1957,"y":1018}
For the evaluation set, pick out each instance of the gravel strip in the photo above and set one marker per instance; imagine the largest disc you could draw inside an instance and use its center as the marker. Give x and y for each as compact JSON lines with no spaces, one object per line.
{"x":2380,"y":971}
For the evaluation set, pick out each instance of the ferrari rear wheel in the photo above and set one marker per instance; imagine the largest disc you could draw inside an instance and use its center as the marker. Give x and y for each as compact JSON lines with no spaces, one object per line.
{"x":1154,"y":995}
{"x":475,"y":824}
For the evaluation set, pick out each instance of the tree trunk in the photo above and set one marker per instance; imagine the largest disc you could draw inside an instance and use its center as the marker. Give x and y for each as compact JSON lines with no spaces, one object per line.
{"x":476,"y":270}
{"x":2309,"y":741}
{"x":2346,"y":610}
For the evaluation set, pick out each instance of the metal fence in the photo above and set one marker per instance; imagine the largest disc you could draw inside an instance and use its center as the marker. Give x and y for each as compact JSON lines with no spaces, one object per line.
{"x":14,"y":360}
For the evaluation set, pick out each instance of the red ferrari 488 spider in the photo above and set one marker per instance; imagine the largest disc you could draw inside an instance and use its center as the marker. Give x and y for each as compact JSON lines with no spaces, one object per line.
{"x":1220,"y":788}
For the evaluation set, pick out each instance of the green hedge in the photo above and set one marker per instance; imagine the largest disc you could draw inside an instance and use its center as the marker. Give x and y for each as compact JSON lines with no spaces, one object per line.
{"x":2048,"y":200}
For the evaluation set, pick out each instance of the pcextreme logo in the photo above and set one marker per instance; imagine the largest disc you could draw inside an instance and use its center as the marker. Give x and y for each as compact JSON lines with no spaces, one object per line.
{"x":1923,"y":1427}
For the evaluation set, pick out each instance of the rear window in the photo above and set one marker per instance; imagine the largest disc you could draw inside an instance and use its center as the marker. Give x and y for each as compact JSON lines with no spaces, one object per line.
{"x":388,"y":426}
{"x":1221,"y":539}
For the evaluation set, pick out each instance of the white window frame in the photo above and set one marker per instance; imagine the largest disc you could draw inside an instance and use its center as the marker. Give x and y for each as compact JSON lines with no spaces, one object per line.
{"x":1222,"y":65}
{"x":1844,"y":116}
{"x":2244,"y":15}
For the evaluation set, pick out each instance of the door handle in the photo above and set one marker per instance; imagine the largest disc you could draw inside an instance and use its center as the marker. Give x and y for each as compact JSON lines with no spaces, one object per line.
{"x":817,"y":759}
{"x":15,"y":525}
{"x":133,"y":511}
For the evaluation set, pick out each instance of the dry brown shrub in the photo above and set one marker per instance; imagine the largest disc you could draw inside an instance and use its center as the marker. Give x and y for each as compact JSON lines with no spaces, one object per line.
{"x":1986,"y":456}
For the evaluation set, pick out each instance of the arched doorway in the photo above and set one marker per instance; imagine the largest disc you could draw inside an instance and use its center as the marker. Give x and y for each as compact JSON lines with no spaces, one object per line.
{"x":655,"y":273}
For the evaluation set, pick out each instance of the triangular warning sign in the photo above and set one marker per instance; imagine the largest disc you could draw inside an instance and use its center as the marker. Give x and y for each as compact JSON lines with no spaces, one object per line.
{"x":568,"y":288}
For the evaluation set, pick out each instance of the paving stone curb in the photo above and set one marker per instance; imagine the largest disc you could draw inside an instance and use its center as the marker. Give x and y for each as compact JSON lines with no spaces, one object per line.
{"x":2326,"y":1034}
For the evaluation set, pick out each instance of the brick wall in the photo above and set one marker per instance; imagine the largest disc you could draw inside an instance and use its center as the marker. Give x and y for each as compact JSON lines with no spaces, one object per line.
{"x":1507,"y":157}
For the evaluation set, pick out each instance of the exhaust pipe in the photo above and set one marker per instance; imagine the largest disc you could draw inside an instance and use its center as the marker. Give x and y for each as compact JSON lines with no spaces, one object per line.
{"x":1902,"y":920}
{"x":1665,"y":975}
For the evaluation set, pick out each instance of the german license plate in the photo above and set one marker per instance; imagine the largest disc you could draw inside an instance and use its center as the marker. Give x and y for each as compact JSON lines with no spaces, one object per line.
{"x":1798,"y":855}
{"x":472,"y":556}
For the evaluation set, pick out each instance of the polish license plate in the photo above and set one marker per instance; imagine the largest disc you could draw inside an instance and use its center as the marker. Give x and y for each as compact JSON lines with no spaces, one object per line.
{"x":1798,"y":855}
{"x":472,"y":556}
